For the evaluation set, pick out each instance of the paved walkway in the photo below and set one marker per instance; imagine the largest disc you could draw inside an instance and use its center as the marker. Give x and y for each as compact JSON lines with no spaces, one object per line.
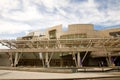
{"x":8,"y":74}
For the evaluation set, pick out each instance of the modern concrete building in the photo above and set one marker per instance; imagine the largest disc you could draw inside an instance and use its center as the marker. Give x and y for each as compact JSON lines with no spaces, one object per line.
{"x":79,"y":45}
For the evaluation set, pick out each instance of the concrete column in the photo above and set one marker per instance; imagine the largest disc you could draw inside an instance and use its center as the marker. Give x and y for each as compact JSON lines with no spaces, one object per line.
{"x":11,"y":60}
{"x":79,"y":60}
{"x":46,"y":60}
{"x":61,"y":61}
{"x":41,"y":57}
{"x":16,"y":59}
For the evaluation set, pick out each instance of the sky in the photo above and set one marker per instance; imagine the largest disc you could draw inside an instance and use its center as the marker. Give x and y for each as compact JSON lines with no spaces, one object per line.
{"x":18,"y":17}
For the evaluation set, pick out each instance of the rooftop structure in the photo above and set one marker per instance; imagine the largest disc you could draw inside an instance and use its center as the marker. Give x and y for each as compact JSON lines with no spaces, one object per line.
{"x":79,"y":46}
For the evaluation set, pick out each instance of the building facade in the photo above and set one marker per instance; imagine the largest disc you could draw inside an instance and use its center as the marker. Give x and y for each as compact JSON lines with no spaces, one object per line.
{"x":82,"y":38}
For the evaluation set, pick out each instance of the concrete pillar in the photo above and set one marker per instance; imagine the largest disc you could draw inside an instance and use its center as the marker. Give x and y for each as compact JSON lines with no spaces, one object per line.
{"x":46,"y":60}
{"x":41,"y":57}
{"x":61,"y":61}
{"x":11,"y":59}
{"x":16,"y":59}
{"x":79,"y":60}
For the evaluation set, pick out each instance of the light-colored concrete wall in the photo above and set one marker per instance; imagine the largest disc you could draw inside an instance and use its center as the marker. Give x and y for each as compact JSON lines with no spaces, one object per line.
{"x":87,"y":29}
{"x":58,"y":29}
{"x":107,"y":31}
{"x":80,"y":27}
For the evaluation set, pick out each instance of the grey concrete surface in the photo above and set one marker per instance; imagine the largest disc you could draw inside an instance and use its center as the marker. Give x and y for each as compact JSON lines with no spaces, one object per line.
{"x":9,"y":74}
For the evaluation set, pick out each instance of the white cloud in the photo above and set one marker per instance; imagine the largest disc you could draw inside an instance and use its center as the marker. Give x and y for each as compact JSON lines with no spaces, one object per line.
{"x":28,"y":12}
{"x":46,"y":13}
{"x":114,"y":14}
{"x":88,"y":12}
{"x":27,"y":15}
{"x":51,"y":4}
{"x":13,"y":27}
{"x":6,"y":5}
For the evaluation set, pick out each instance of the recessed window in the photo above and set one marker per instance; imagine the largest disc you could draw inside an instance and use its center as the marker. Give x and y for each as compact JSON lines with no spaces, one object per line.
{"x":52,"y":34}
{"x":115,"y":34}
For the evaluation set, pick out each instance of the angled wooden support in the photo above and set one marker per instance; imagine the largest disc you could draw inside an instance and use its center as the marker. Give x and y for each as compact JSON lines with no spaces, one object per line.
{"x":17,"y":58}
{"x":88,"y":46}
{"x":10,"y":57}
{"x":115,"y":43}
{"x":74,"y":58}
{"x":108,"y":58}
{"x":50,"y":57}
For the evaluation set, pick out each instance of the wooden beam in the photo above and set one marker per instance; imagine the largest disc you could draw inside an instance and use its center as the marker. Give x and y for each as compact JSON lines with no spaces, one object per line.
{"x":31,"y":50}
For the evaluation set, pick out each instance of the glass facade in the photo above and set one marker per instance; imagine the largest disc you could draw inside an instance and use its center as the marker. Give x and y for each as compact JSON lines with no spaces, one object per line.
{"x":72,"y":36}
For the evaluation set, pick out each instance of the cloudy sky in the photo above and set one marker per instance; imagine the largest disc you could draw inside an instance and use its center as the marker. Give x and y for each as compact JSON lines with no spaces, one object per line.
{"x":18,"y":17}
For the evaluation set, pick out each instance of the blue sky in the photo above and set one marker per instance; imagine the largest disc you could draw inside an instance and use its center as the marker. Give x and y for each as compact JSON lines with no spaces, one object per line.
{"x":18,"y":17}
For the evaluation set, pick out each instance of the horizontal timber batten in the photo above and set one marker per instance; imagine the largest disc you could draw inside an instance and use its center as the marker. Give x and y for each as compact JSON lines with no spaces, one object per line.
{"x":30,"y":50}
{"x":13,"y":40}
